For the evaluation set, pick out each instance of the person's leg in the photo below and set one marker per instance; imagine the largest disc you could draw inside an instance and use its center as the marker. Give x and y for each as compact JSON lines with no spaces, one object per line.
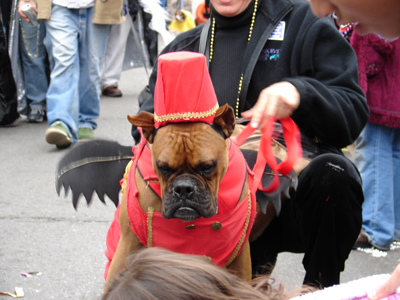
{"x":62,"y":94}
{"x":396,"y":185}
{"x":92,"y":45}
{"x":33,"y":55}
{"x":322,"y":219}
{"x":329,"y":205}
{"x":373,"y":157}
{"x":114,"y":55}
{"x":283,"y":233}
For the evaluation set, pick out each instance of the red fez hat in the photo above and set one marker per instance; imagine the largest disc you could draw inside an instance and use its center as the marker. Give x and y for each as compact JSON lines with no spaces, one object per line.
{"x":184,"y":91}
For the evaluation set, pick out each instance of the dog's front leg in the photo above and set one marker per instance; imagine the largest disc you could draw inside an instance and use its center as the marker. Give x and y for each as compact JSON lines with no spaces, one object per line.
{"x":241,"y":265}
{"x":128,"y":243}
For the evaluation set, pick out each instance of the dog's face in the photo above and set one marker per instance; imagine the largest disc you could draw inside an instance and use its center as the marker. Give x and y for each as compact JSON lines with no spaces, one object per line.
{"x":190,"y":160}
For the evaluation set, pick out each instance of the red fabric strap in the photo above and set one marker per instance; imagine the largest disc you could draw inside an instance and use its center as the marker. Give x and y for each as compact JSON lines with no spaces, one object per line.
{"x":265,"y":155}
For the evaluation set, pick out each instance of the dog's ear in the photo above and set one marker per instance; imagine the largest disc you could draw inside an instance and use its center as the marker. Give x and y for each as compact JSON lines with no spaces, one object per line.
{"x":225,"y":118}
{"x":144,"y":120}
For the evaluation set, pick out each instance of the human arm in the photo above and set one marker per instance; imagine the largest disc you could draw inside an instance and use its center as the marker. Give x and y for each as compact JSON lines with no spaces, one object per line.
{"x":322,"y":67}
{"x":333,"y":108}
{"x":389,"y":287}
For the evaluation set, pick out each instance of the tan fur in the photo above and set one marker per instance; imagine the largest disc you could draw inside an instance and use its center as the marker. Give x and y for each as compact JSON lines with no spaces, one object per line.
{"x":128,"y":243}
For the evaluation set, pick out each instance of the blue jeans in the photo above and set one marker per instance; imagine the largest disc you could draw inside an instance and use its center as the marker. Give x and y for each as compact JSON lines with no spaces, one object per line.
{"x":33,"y":55}
{"x":78,"y":47}
{"x":377,"y":155}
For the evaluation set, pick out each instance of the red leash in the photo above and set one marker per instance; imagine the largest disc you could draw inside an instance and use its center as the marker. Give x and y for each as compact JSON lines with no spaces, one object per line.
{"x":265,"y":155}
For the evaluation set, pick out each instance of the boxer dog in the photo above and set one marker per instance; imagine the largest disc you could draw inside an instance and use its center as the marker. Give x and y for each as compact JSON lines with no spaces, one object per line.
{"x":190,"y":160}
{"x":188,"y":188}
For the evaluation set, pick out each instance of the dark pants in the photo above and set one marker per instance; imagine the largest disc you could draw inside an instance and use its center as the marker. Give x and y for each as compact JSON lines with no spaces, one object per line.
{"x":322,"y":220}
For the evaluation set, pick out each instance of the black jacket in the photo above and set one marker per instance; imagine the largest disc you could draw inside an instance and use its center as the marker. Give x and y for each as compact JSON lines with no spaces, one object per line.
{"x":315,"y":58}
{"x":8,"y":90}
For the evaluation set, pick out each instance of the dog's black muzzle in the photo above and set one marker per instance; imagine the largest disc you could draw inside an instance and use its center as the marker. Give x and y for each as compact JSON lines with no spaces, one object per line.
{"x":187,"y":199}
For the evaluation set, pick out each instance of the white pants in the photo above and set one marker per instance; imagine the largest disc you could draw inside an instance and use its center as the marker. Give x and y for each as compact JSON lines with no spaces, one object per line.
{"x":115,"y":53}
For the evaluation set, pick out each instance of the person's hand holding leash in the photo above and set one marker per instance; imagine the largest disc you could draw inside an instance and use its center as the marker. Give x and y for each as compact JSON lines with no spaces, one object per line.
{"x":279,"y":101}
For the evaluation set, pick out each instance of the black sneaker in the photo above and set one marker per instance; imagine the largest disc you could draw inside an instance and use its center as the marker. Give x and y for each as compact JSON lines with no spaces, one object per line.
{"x":37,"y":115}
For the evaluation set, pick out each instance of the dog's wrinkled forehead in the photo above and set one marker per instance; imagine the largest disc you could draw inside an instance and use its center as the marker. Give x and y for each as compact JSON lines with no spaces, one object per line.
{"x":182,"y":142}
{"x":186,"y":144}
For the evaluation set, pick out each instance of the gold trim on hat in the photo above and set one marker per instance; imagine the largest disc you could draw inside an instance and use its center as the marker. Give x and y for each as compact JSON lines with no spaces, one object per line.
{"x":123,"y":185}
{"x":186,"y":116}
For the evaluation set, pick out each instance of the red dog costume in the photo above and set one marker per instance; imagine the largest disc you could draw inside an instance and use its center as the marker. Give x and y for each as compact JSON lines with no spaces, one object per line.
{"x":184,"y":93}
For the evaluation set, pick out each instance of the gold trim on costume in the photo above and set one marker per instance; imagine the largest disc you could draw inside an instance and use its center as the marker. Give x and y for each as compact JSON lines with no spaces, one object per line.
{"x":186,"y":115}
{"x":240,"y":243}
{"x":127,"y":168}
{"x":150,"y":210}
{"x":235,"y":251}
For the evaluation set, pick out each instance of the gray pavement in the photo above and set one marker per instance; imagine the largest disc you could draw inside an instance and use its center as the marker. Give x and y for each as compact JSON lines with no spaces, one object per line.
{"x":41,"y":232}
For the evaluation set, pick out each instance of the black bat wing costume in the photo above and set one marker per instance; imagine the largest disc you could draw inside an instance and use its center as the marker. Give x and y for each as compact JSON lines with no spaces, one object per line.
{"x":93,"y":166}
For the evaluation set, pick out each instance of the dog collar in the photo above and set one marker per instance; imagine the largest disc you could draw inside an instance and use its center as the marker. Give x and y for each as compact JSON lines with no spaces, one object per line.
{"x":219,"y":130}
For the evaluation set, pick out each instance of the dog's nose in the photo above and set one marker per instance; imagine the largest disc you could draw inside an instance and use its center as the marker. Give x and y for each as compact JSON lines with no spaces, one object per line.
{"x":184,"y":189}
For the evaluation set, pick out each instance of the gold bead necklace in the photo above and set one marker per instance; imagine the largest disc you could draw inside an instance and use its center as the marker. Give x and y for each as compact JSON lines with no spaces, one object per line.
{"x":253,"y":18}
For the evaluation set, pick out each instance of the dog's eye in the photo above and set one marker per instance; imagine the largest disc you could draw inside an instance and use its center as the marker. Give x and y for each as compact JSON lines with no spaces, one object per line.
{"x":206,"y":169}
{"x":165,"y":169}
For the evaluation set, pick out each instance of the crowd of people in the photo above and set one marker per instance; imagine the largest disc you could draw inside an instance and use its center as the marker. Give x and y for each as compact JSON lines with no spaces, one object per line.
{"x":285,"y":59}
{"x":60,"y":48}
